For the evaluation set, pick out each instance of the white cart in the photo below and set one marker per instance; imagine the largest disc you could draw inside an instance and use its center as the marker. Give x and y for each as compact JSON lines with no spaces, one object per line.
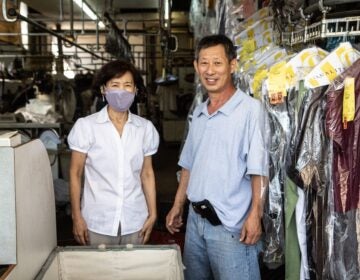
{"x":28,"y":231}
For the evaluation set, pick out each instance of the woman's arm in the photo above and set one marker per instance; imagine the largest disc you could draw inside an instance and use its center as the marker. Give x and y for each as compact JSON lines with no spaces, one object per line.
{"x":148,"y":185}
{"x":76,"y":171}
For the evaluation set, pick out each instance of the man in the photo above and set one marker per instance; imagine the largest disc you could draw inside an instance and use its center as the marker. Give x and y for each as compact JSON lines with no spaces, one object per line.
{"x":224,"y":164}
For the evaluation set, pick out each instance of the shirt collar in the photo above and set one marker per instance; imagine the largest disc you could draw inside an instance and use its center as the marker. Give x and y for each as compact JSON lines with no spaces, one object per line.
{"x":227,"y":108}
{"x":103,"y":117}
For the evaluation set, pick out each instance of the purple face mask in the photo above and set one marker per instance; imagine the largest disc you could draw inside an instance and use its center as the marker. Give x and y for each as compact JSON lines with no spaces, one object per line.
{"x":120,"y":100}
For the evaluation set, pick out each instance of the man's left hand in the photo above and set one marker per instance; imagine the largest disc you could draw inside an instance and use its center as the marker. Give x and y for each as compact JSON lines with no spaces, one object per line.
{"x":251,"y":231}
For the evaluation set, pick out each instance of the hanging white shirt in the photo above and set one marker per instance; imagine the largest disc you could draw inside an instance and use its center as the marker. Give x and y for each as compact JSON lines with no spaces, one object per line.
{"x":113,"y":192}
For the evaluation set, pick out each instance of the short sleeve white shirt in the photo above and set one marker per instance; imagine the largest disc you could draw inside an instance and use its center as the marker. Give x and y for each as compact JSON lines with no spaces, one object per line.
{"x":113,"y":192}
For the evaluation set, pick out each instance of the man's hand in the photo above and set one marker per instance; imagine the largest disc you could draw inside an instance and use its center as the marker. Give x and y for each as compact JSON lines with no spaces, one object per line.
{"x":174,"y":219}
{"x":80,"y":231}
{"x":147,"y":228}
{"x":251,"y":231}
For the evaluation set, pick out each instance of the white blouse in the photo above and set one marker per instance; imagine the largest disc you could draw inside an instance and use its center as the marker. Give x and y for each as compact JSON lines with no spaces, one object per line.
{"x":112,"y":190}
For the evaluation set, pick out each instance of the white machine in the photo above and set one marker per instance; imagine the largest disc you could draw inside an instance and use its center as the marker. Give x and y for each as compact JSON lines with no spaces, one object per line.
{"x":28,"y":231}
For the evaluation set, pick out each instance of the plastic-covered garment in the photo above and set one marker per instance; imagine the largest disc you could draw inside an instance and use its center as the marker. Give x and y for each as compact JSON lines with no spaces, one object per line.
{"x":249,"y":7}
{"x":262,"y":13}
{"x":307,"y":166}
{"x":227,"y":17}
{"x":342,"y":245}
{"x":117,"y":45}
{"x":343,"y":221}
{"x":255,"y":29}
{"x":273,"y":216}
{"x":195,"y":13}
{"x":247,"y":76}
{"x":65,"y":96}
{"x":346,"y":160}
{"x":202,"y":18}
{"x":332,"y":66}
{"x":302,"y":63}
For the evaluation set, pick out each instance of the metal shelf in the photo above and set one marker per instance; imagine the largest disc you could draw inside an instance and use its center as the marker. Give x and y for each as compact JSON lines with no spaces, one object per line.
{"x":327,"y":28}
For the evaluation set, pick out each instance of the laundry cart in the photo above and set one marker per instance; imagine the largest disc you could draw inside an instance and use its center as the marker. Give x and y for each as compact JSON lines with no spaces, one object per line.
{"x":28,"y":231}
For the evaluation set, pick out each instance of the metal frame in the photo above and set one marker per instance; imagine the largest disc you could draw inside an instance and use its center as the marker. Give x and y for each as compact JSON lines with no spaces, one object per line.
{"x":14,"y":13}
{"x":129,"y":247}
{"x":327,"y":28}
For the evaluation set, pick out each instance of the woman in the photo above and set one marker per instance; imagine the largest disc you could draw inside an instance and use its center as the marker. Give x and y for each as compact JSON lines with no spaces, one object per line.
{"x":114,"y":147}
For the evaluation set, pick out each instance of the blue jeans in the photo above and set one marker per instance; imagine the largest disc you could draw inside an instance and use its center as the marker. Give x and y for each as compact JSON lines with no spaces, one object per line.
{"x":212,"y":252}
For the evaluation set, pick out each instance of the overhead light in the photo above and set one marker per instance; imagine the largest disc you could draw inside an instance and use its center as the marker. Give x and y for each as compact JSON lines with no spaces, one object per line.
{"x":88,"y":11}
{"x":166,"y":12}
{"x":24,"y":26}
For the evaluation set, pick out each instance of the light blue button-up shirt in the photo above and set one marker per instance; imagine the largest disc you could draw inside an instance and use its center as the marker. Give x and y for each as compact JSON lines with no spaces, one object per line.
{"x":221,"y":151}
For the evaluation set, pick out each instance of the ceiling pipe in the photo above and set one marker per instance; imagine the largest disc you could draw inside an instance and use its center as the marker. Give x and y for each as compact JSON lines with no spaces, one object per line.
{"x":77,"y":19}
{"x":97,"y":35}
{"x":72,"y":18}
{"x":14,"y":13}
{"x":59,"y":62}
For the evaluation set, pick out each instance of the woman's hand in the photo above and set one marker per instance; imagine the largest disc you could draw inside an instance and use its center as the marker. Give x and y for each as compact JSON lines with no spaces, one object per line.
{"x":80,"y":231}
{"x":147,"y":228}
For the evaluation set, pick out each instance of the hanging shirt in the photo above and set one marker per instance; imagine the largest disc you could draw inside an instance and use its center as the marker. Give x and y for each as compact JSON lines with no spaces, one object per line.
{"x":346,"y":151}
{"x":113,"y":192}
{"x":343,"y":224}
{"x":280,"y":125}
{"x":222,"y":151}
{"x":307,"y":167}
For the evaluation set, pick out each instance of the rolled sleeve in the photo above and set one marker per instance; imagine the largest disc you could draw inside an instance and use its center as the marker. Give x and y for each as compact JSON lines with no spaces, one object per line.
{"x":151,"y":140}
{"x":80,"y":136}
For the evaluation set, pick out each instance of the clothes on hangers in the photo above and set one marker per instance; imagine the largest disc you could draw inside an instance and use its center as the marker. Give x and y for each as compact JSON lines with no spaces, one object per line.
{"x":346,"y":141}
{"x":343,"y":223}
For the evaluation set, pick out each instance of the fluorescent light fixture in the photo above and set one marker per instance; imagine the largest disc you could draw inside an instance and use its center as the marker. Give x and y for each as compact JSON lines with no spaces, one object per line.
{"x":88,"y":11}
{"x":166,"y":8}
{"x":24,"y":26}
{"x":167,"y":11}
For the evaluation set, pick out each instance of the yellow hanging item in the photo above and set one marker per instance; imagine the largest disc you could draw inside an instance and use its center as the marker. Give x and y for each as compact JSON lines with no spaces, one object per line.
{"x":348,"y":112}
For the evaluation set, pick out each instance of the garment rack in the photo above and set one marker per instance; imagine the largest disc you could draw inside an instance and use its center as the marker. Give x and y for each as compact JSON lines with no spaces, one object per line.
{"x":326,"y":28}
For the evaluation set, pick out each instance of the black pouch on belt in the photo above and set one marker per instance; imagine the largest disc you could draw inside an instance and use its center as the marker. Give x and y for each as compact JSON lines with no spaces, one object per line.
{"x":207,"y":211}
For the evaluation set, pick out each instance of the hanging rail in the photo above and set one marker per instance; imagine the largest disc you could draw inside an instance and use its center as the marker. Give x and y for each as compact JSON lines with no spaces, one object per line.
{"x":326,"y":28}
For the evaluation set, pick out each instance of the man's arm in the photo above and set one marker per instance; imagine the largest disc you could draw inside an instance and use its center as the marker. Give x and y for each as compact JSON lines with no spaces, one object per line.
{"x":174,"y":217}
{"x":251,"y":231}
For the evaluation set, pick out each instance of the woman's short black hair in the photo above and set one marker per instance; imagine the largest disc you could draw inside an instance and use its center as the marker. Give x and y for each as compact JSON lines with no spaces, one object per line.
{"x":115,"y":69}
